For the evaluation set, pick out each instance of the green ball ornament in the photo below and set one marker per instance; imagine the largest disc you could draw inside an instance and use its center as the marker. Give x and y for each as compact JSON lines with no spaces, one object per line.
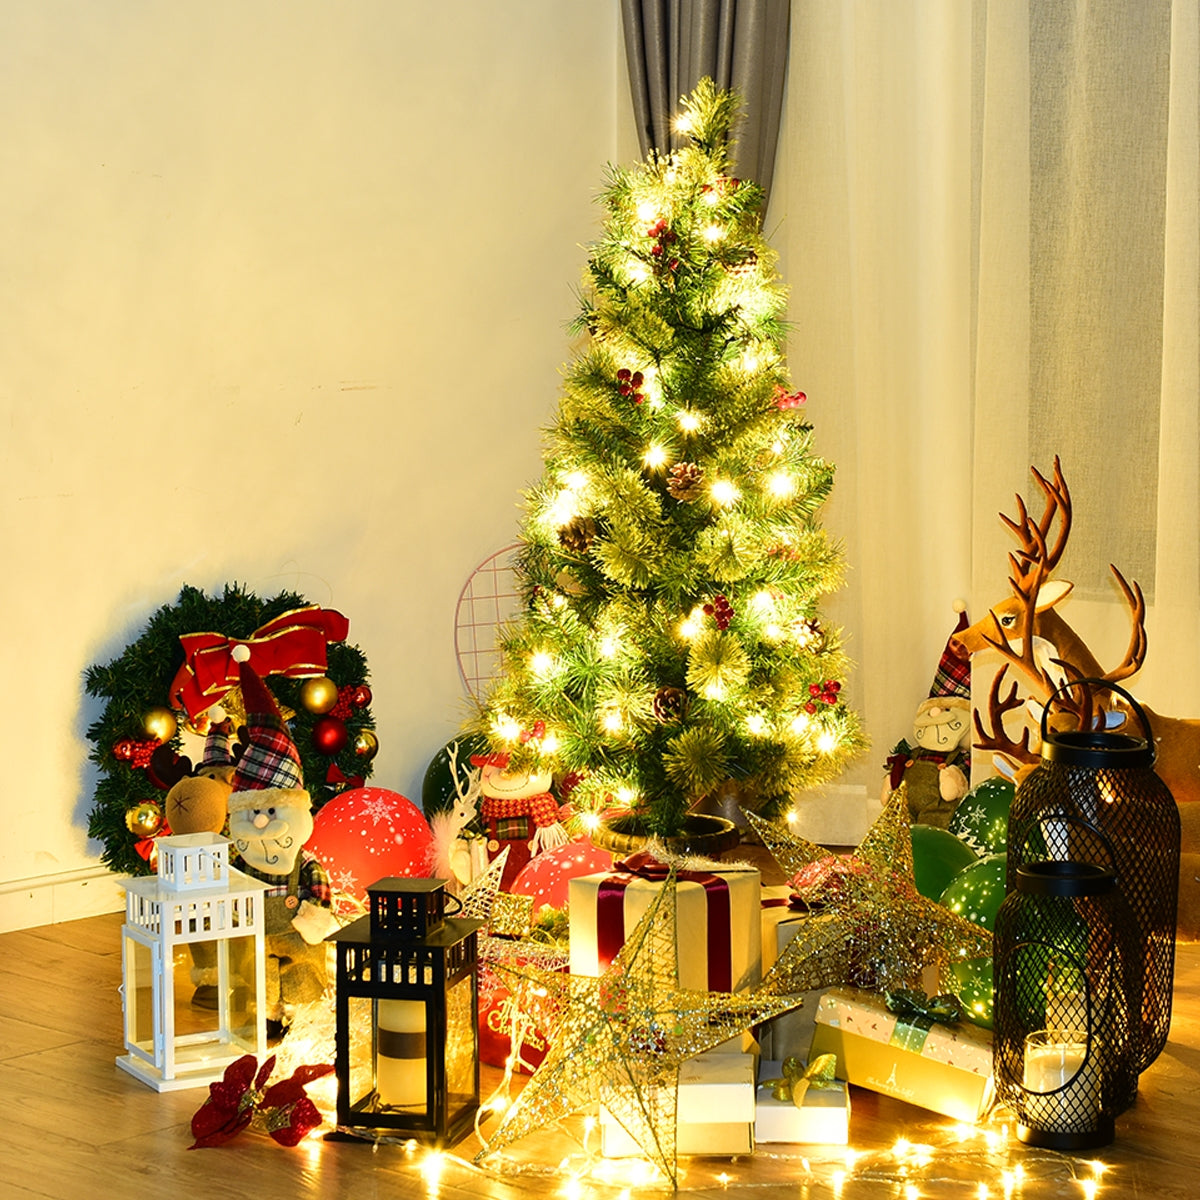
{"x":977,"y":894}
{"x":971,"y":981}
{"x":437,"y":790}
{"x":938,"y":856}
{"x":981,"y":818}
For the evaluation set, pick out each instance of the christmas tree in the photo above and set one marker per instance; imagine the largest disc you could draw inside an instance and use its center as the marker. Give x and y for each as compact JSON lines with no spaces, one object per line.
{"x":672,"y":560}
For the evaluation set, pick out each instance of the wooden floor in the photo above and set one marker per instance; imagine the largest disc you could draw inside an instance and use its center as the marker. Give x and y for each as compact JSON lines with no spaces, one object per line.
{"x":77,"y":1126}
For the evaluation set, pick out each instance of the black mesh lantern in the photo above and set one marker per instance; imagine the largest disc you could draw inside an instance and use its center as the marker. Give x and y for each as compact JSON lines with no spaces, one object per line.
{"x":406,"y":1050}
{"x":1095,"y":798}
{"x":1068,"y":983}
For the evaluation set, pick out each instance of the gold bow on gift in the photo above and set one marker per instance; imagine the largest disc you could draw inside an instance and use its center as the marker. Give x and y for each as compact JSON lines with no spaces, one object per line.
{"x":797,"y":1078}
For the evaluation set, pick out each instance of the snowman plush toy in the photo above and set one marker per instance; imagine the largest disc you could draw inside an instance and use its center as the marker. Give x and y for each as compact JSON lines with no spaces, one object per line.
{"x":270,"y":819}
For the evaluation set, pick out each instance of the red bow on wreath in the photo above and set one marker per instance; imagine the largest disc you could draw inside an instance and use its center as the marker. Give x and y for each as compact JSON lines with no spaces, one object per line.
{"x":282,"y":1111}
{"x":292,"y":644}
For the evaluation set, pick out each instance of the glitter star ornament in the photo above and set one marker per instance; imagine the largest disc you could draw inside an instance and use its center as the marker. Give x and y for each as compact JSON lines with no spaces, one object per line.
{"x":623,"y":1036}
{"x":868,"y":926}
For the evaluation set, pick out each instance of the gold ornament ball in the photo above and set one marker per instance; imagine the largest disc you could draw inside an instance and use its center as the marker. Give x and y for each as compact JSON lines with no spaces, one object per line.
{"x":159,"y":722}
{"x":144,"y":820}
{"x":366,"y":744}
{"x":319,"y":695}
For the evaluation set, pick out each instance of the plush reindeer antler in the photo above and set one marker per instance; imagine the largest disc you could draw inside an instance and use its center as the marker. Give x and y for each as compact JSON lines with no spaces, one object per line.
{"x":1034,"y":596}
{"x":997,"y":738}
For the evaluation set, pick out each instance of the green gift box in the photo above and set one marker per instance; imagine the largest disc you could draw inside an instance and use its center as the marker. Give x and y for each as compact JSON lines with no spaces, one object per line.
{"x":945,"y":1068}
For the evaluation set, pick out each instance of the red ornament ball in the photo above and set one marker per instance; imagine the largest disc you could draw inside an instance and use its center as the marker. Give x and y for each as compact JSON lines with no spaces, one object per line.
{"x":329,"y":735}
{"x":367,"y":834}
{"x":547,"y":876}
{"x":361,"y":696}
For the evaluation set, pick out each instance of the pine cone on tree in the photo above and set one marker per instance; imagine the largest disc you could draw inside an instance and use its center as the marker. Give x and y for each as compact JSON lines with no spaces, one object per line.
{"x":669,"y":704}
{"x":686,"y":481}
{"x":576,"y":536}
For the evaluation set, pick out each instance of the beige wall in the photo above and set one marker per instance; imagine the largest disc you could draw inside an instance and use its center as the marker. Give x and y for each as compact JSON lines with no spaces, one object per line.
{"x":282,"y":300}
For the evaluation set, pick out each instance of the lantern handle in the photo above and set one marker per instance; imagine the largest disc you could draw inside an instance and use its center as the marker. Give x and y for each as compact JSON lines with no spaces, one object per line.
{"x":1112,"y":687}
{"x":451,"y":898}
{"x":1008,"y":977}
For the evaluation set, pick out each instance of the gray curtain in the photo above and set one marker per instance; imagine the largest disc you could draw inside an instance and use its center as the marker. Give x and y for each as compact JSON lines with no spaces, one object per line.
{"x":741,"y":44}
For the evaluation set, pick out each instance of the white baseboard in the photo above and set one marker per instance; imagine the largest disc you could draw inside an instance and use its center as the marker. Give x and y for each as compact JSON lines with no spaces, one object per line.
{"x":65,"y":896}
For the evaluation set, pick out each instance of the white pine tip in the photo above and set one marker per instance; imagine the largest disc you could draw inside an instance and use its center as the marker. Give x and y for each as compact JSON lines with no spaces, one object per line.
{"x":240,"y":654}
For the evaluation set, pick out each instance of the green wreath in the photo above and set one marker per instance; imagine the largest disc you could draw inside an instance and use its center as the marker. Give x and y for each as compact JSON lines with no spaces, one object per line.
{"x":138,"y":764}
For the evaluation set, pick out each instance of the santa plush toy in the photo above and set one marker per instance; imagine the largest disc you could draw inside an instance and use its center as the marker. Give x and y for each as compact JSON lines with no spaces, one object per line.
{"x":270,"y":819}
{"x":935,"y":766}
{"x":518,"y":812}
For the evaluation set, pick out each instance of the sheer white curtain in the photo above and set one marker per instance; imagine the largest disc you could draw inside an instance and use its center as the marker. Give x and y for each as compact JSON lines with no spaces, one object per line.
{"x":989,"y":214}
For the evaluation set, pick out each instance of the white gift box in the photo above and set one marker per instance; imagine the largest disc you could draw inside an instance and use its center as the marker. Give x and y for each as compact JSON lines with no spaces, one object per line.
{"x":714,"y":1112}
{"x":823,"y":1118}
{"x":742,"y":937}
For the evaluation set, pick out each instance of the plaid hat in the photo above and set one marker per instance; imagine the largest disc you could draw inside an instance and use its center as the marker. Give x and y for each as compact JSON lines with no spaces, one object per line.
{"x":953,"y":677}
{"x":217,"y":749}
{"x":269,"y":771}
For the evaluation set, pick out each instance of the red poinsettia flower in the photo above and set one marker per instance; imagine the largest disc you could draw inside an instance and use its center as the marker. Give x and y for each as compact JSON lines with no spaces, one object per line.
{"x":230,"y":1104}
{"x":282,"y":1111}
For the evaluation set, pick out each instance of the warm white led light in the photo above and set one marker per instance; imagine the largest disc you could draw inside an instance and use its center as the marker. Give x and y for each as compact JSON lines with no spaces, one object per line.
{"x":781,"y":484}
{"x":692,"y":625}
{"x":609,"y":647}
{"x":611,"y":722}
{"x":564,"y":508}
{"x":575,"y":481}
{"x":506,"y":728}
{"x":647,"y":210}
{"x":801,"y":722}
{"x":724,"y":492}
{"x":541,"y":662}
{"x":655,"y":457}
{"x":626,"y":795}
{"x":827,"y":742}
{"x":714,"y":233}
{"x":549,"y":744}
{"x":689,"y":422}
{"x":763,"y":601}
{"x":714,"y":691}
{"x":756,"y":724}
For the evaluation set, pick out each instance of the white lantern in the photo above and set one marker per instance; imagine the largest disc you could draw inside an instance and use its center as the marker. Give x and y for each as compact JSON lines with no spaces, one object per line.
{"x":198,"y":918}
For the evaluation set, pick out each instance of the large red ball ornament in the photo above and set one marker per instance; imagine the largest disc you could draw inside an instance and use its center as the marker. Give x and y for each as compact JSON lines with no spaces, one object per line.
{"x":330,"y":737}
{"x":367,"y":834}
{"x":547,"y":876}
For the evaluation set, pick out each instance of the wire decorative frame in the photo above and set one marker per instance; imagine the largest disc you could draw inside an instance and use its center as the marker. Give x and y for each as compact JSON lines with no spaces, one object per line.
{"x":489,"y":598}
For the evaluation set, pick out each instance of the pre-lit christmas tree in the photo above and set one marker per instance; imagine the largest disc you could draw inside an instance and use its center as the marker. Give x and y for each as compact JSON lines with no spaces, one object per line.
{"x":673,"y":561}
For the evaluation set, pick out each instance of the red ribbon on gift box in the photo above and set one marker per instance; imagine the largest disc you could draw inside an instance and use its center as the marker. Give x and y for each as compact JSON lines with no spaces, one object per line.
{"x":292,"y":644}
{"x":610,"y":913}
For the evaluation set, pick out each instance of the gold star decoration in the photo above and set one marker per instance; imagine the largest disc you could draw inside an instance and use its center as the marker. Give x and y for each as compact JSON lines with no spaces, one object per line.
{"x":867,"y":924}
{"x":623,"y":1036}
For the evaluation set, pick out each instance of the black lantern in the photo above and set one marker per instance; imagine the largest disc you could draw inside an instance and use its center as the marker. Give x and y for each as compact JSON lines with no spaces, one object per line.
{"x":407,"y":1015}
{"x":1095,"y":798}
{"x":1067,"y":1028}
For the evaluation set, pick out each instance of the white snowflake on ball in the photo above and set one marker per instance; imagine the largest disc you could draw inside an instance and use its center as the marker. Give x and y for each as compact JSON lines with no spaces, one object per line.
{"x":378,"y":808}
{"x":344,"y":881}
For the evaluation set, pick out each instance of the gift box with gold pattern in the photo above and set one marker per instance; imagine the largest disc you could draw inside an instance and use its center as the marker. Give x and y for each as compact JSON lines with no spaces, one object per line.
{"x":945,"y":1068}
